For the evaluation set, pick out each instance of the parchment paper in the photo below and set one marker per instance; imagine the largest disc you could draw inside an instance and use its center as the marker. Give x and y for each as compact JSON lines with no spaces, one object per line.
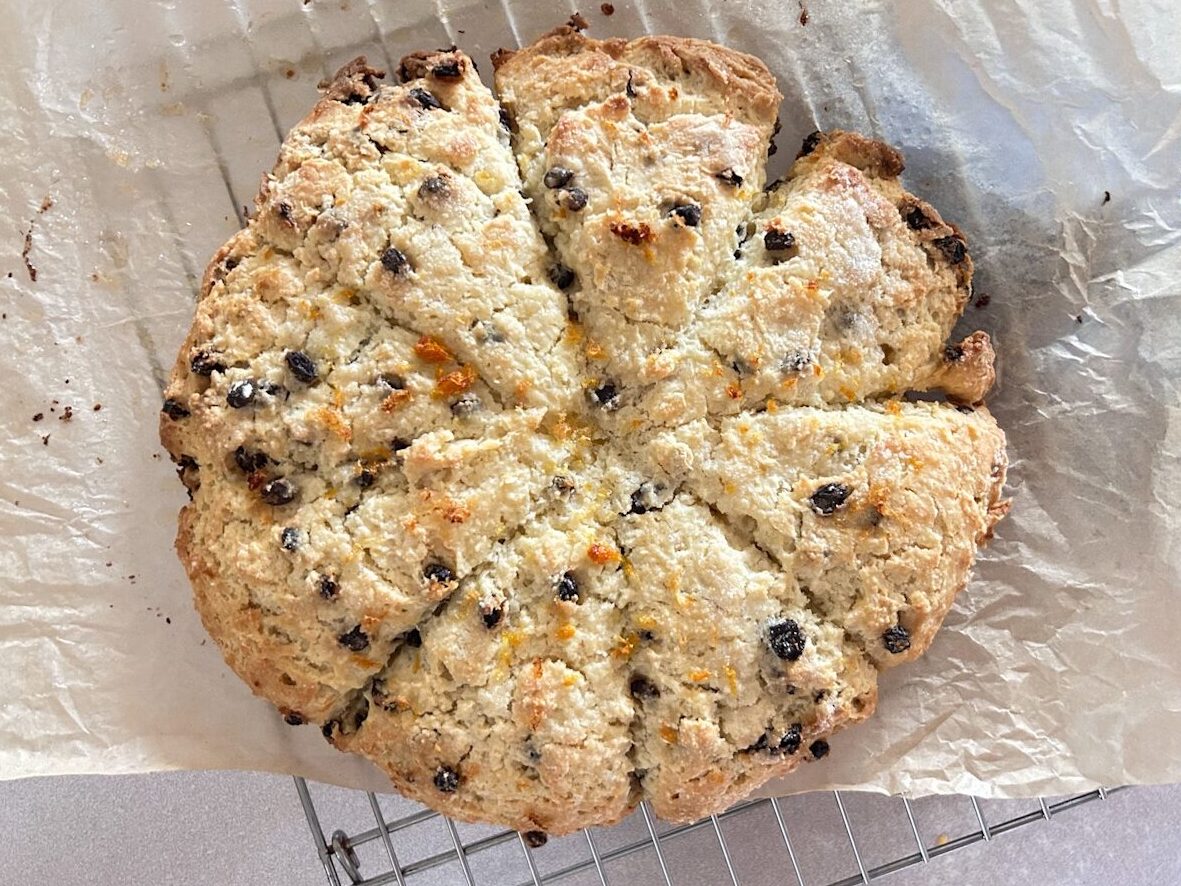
{"x":133,"y":132}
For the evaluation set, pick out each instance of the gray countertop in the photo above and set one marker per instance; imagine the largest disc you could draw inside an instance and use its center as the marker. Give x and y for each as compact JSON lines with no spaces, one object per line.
{"x":248,"y":828}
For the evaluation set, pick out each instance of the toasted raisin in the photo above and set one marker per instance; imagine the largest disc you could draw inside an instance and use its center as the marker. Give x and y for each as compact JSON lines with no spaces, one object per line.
{"x":425,"y":99}
{"x":448,"y":70}
{"x":562,"y":483}
{"x":916,"y":219}
{"x":953,"y":353}
{"x":557,"y":177}
{"x":437,"y":572}
{"x":329,"y":728}
{"x":561,"y":276}
{"x":289,"y":538}
{"x":828,"y":498}
{"x":795,"y":361}
{"x":278,"y":492}
{"x":786,"y":638}
{"x":790,"y":742}
{"x":365,"y":478}
{"x":302,"y":366}
{"x":446,"y":779}
{"x":534,"y":839}
{"x":896,"y":639}
{"x":394,"y":260}
{"x":356,"y":639}
{"x":291,"y":718}
{"x":574,"y":199}
{"x":329,"y":589}
{"x":759,"y":745}
{"x":643,"y":688}
{"x":466,"y":406}
{"x":242,"y":393}
{"x":688,"y":214}
{"x":566,"y":587}
{"x":413,"y":638}
{"x":433,"y":187}
{"x":491,"y":614}
{"x":205,"y":363}
{"x":172,"y":408}
{"x":778,"y":241}
{"x":811,"y":140}
{"x":818,"y":748}
{"x":729,"y":177}
{"x":646,"y":498}
{"x":248,"y":462}
{"x":953,"y":248}
{"x":606,"y":395}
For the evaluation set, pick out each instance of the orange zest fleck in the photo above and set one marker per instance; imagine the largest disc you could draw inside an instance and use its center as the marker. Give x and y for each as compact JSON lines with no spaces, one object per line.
{"x":732,"y":679}
{"x":669,"y":734}
{"x":772,"y":406}
{"x":565,"y":632}
{"x":602,"y":555}
{"x":456,"y":514}
{"x":893,"y":407}
{"x":395,"y":400}
{"x":334,"y":421}
{"x":734,"y":390}
{"x":848,"y":392}
{"x":595,"y":351}
{"x":699,"y":676}
{"x":625,"y":647}
{"x":431,"y":350}
{"x":456,"y":382}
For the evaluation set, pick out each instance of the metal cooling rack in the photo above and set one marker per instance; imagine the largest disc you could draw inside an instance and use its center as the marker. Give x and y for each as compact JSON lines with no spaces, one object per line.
{"x":838,"y":838}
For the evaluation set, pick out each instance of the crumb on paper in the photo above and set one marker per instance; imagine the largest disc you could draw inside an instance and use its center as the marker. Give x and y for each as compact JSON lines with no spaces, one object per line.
{"x":803,"y":13}
{"x":45,"y":439}
{"x":25,"y":254}
{"x":67,"y":414}
{"x":983,"y":301}
{"x":578,"y":22}
{"x":289,"y":73}
{"x":1078,"y":318}
{"x":607,"y":9}
{"x":97,"y":407}
{"x":85,"y":98}
{"x":1106,"y":198}
{"x":39,"y":416}
{"x":165,"y":77}
{"x":942,"y":840}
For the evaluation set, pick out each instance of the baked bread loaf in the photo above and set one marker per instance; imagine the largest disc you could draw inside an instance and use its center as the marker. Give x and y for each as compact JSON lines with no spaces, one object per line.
{"x":542,"y":455}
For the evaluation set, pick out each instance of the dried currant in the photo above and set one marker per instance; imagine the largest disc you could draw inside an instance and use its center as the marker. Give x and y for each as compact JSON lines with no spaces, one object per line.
{"x":643,"y":688}
{"x":566,"y":588}
{"x":355,"y":640}
{"x":688,"y":214}
{"x":561,"y":276}
{"x":425,"y":99}
{"x":329,"y":589}
{"x":557,"y":177}
{"x":394,"y":260}
{"x":778,"y":241}
{"x":786,"y":638}
{"x":826,"y":500}
{"x":302,"y":366}
{"x":280,"y":491}
{"x":242,"y":393}
{"x":289,"y":538}
{"x":437,"y":572}
{"x":818,"y":748}
{"x":446,"y":779}
{"x":896,"y":639}
{"x":174,"y":409}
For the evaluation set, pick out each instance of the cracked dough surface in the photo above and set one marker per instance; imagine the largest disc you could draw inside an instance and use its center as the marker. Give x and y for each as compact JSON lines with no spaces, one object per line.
{"x":541,"y":454}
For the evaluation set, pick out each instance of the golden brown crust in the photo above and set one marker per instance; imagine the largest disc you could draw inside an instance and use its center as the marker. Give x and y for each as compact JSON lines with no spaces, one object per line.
{"x":748,"y":86}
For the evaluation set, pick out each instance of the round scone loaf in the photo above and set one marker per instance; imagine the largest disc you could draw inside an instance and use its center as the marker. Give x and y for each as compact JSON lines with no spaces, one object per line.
{"x":542,"y":453}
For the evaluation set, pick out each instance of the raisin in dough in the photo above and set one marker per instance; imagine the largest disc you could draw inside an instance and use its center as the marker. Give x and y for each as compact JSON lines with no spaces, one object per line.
{"x":547,"y":529}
